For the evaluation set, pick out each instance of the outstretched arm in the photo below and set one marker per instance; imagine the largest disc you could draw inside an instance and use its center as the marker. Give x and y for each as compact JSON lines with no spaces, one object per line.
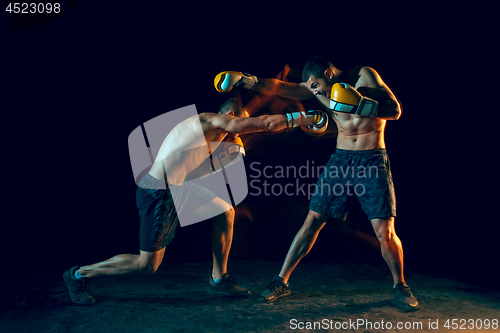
{"x":313,"y":120}
{"x":296,"y":91}
{"x":225,"y":81}
{"x":250,"y":124}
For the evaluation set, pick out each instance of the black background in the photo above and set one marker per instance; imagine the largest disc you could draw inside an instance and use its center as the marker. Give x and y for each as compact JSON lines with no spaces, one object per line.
{"x":75,"y":87}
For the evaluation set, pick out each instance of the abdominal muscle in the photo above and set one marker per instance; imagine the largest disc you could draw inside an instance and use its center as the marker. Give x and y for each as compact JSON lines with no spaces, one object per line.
{"x":358,"y":132}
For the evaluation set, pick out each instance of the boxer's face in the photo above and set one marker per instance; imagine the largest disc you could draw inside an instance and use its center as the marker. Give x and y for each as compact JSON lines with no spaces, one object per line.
{"x":320,"y":86}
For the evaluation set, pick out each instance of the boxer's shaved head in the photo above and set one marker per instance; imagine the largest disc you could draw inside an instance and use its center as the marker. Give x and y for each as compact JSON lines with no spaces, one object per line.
{"x":316,"y":66}
{"x":234,"y":105}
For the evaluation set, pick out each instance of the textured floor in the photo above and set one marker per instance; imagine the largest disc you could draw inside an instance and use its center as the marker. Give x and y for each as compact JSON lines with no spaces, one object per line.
{"x":325,"y":298}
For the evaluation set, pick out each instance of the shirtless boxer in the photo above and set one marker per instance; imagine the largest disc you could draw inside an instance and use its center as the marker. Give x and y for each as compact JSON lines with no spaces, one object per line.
{"x":181,"y":157}
{"x":360,"y":103}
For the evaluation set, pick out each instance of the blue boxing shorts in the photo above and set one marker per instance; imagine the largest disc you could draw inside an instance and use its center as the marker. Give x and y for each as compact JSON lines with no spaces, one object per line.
{"x":349,"y":174}
{"x":157,"y":209}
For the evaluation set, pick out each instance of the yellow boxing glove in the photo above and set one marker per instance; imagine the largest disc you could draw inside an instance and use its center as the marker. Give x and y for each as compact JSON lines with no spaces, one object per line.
{"x":225,"y":81}
{"x":227,"y":154}
{"x":344,"y":98}
{"x":312,"y":122}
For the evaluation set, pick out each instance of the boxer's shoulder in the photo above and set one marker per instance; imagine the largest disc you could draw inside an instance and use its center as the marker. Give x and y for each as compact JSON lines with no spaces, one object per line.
{"x":351,"y":75}
{"x":206,"y":116}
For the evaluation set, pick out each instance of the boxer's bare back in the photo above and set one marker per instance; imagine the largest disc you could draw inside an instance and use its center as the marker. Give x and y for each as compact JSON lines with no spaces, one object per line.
{"x":194,"y":139}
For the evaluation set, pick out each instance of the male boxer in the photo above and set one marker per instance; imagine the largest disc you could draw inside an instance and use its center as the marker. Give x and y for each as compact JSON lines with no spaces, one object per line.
{"x":183,"y":156}
{"x":360,"y":103}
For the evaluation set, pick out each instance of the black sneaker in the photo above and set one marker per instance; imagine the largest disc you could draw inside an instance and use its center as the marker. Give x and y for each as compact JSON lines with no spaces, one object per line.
{"x":404,"y":298}
{"x":78,"y":289}
{"x":275,"y":290}
{"x":226,"y":287}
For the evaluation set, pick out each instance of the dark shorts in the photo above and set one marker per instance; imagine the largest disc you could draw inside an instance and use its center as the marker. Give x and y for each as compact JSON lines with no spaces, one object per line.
{"x":362,"y":174}
{"x":159,"y":209}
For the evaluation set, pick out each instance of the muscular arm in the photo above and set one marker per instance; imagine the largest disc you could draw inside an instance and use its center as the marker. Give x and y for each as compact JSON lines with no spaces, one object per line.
{"x":250,"y":124}
{"x":370,"y":84}
{"x":296,"y":91}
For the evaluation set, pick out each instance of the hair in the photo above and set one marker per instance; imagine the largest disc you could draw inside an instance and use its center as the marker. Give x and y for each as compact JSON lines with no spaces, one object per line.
{"x":232,"y":104}
{"x":315,"y":66}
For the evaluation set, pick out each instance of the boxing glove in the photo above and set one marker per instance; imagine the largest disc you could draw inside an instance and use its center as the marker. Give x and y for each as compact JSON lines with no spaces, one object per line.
{"x":226,"y":154}
{"x":315,"y":123}
{"x":225,"y":81}
{"x":344,"y":98}
{"x":312,"y":122}
{"x":230,"y":154}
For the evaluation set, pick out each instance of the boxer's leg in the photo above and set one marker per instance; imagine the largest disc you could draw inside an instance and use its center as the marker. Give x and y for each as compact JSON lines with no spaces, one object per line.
{"x":222,"y":232}
{"x":156,"y":223}
{"x":391,"y":247}
{"x":76,"y":278}
{"x":392,"y":251}
{"x":222,"y":236}
{"x":123,"y":264}
{"x":301,"y":245}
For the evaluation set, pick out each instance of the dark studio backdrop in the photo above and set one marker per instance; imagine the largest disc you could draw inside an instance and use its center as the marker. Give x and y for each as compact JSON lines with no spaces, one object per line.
{"x":75,"y":87}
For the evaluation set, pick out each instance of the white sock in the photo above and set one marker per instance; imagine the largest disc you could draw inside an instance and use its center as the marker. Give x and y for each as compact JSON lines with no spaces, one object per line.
{"x":217,"y":280}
